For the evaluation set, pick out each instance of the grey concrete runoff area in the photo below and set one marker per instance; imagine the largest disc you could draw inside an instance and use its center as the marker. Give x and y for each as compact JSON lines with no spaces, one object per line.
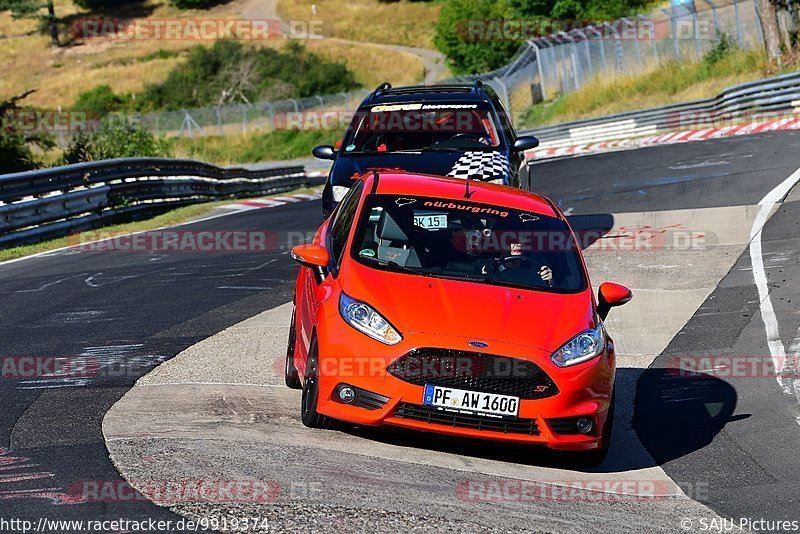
{"x":221,"y":403}
{"x":189,"y":389}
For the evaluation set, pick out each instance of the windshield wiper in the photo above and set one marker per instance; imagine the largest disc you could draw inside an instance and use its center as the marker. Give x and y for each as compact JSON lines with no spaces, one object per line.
{"x":391,"y":263}
{"x":434,"y":148}
{"x":494,"y":281}
{"x":488,"y":280}
{"x":432,"y":274}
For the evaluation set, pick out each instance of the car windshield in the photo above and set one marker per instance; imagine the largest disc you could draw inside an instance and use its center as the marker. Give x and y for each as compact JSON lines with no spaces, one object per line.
{"x":464,"y":240}
{"x":422,"y":127}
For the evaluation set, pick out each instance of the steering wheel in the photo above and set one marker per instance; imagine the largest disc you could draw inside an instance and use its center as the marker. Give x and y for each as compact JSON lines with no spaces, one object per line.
{"x":467,"y":136}
{"x":505,"y":259}
{"x":537,"y":265}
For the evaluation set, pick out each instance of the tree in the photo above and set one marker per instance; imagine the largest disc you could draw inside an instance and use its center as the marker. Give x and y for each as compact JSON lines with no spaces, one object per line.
{"x":32,"y":9}
{"x":15,"y":142}
{"x":465,"y":34}
{"x":469,"y":32}
{"x":779,"y":26}
{"x":769,"y":24}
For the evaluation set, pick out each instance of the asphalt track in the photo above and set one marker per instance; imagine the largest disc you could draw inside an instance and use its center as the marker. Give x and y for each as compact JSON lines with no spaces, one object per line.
{"x":133,"y":310}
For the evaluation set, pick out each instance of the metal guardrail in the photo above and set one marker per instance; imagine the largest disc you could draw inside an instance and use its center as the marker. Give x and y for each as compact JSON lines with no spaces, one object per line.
{"x":780,"y":94}
{"x":49,"y":203}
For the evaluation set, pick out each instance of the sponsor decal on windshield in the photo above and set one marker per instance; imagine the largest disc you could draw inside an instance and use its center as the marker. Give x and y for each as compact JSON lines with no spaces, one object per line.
{"x":472,"y":208}
{"x":420,"y":106}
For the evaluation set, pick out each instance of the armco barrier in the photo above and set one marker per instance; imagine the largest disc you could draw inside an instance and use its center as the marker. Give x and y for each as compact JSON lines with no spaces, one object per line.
{"x":48,"y":203}
{"x":772,"y":96}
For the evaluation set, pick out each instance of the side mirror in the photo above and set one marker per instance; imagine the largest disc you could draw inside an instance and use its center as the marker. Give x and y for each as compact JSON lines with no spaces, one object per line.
{"x":324,"y":152}
{"x":526,"y":142}
{"x":610,"y":295}
{"x":311,"y":256}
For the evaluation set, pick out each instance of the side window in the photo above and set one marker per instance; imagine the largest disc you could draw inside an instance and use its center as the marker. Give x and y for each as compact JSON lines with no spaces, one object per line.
{"x":343,"y":221}
{"x":505,"y":120}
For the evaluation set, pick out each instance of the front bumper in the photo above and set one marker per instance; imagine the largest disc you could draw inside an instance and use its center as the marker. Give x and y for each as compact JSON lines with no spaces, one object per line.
{"x":351,"y":358}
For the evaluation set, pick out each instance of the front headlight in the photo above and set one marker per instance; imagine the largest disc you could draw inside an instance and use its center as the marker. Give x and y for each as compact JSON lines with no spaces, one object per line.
{"x":364,"y":318}
{"x":339,"y":191}
{"x":583,"y":347}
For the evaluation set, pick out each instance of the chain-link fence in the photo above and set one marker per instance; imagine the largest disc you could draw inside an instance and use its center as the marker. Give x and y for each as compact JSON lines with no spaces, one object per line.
{"x":565,"y":61}
{"x":317,"y":112}
{"x":544,"y":67}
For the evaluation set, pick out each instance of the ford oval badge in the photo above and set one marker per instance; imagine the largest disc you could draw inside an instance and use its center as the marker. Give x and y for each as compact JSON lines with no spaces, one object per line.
{"x":478,"y":344}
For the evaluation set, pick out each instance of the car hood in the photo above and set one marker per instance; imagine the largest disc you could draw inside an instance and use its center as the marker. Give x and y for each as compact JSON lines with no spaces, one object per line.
{"x":477,"y":312}
{"x":483,"y":165}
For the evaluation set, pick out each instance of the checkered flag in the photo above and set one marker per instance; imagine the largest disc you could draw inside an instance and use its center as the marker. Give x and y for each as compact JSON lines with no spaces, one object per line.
{"x":483,"y":166}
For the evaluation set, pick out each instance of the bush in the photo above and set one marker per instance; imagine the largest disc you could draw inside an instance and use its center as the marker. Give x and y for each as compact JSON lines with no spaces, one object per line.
{"x":230,"y":72}
{"x":723,"y":46}
{"x":15,"y":143}
{"x":99,"y":102}
{"x":116,"y":137}
{"x":15,"y":155}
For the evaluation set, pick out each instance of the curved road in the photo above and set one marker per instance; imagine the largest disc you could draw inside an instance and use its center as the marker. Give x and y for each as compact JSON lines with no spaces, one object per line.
{"x":731,"y":444}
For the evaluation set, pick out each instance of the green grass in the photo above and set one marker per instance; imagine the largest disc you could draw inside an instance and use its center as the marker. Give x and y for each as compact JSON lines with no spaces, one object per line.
{"x":669,"y":83}
{"x":252,"y":148}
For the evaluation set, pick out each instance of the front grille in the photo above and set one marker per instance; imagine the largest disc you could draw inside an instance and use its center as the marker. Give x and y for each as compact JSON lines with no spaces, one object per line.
{"x":427,"y":414}
{"x":474,"y":371}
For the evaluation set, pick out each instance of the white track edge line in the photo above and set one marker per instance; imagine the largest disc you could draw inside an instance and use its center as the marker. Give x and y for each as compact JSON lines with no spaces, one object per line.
{"x":776,"y":348}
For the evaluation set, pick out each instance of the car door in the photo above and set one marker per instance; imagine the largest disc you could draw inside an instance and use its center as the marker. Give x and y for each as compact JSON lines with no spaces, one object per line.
{"x":519,"y":165}
{"x":335,"y":240}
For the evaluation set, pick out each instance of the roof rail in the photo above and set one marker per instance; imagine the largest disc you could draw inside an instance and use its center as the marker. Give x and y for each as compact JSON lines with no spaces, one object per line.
{"x":478,"y":84}
{"x":378,"y":90}
{"x":382,"y":87}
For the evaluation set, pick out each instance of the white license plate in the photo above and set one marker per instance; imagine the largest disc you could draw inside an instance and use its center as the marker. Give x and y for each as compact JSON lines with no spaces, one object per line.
{"x":471,"y":401}
{"x":431,"y":222}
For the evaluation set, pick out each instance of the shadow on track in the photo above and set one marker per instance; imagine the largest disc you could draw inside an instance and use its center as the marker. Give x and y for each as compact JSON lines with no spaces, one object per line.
{"x":678,"y":414}
{"x":675,"y":416}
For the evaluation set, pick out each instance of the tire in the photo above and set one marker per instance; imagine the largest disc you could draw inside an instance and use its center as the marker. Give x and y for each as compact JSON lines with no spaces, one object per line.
{"x":596,"y":457}
{"x":308,"y":404}
{"x":290,"y":374}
